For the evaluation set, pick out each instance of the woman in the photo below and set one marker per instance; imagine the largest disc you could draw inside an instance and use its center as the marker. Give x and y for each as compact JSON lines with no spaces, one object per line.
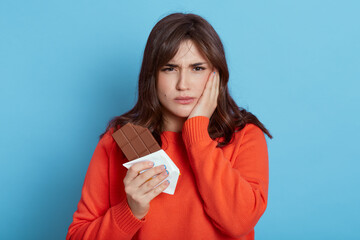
{"x":220,"y":149}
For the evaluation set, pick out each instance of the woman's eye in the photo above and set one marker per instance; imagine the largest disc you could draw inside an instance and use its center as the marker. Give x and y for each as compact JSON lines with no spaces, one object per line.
{"x":169,"y":69}
{"x":198,"y":68}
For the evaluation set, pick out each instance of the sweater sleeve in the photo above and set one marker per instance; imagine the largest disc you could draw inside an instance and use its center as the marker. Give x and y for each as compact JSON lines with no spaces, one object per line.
{"x":234,"y":191}
{"x":95,"y":218}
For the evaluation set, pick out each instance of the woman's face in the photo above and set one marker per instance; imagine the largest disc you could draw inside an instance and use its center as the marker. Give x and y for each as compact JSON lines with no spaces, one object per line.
{"x":182,"y":80}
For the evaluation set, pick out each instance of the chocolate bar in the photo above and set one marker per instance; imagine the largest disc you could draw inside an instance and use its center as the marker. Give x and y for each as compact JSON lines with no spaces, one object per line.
{"x":135,"y":141}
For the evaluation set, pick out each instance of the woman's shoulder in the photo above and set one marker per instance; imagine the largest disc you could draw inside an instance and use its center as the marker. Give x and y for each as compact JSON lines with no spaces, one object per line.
{"x":249,"y":131}
{"x":249,"y":127}
{"x":106,"y":139}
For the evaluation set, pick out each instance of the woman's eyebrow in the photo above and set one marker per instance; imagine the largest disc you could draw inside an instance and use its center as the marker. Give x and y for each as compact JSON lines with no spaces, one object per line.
{"x":190,"y":65}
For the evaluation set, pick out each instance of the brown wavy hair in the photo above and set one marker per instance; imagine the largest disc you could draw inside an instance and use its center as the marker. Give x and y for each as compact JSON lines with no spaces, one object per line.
{"x":162,"y":45}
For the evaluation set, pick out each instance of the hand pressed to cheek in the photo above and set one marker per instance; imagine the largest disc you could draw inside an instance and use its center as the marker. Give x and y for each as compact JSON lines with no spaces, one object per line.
{"x":208,"y":100}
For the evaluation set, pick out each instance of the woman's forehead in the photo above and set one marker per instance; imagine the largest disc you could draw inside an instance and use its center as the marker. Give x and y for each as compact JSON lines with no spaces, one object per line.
{"x":188,"y":54}
{"x":189,"y":50}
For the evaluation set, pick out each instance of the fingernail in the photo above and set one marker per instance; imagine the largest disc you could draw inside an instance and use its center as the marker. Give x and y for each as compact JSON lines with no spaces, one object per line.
{"x":164,"y":166}
{"x":214,"y":72}
{"x":151,"y":163}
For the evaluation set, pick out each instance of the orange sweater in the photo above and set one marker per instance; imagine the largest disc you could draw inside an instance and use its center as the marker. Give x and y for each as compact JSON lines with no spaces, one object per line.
{"x":221,"y":192}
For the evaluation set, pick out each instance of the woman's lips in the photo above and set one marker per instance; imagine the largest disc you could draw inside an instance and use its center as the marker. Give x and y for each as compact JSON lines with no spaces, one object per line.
{"x":184,"y":100}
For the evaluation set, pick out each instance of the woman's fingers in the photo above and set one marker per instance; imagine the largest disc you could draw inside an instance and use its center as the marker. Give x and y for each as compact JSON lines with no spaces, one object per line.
{"x":147,"y":175}
{"x":208,"y":100}
{"x":208,"y":87}
{"x":154,"y":181}
{"x":212,"y":101}
{"x":156,"y":191}
{"x":134,"y":170}
{"x":136,"y":178}
{"x":215,"y":89}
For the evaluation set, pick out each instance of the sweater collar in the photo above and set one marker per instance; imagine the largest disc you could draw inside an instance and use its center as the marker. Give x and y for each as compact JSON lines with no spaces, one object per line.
{"x":171,"y":137}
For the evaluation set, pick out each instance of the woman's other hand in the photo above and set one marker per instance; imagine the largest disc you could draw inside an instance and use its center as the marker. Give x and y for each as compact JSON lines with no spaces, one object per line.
{"x":208,"y":100}
{"x":139,"y":187}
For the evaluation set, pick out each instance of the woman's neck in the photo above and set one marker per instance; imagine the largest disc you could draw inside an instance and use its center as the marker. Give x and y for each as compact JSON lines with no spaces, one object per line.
{"x":174,"y":124}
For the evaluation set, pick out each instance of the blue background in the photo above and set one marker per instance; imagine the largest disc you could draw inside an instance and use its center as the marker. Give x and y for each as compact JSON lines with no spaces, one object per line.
{"x":67,"y":67}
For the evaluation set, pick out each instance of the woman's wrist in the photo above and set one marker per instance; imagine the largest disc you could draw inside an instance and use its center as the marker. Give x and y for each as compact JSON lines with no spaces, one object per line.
{"x":195,"y":129}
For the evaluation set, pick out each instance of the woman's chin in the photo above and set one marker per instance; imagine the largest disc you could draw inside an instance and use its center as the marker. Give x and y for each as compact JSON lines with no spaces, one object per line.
{"x":181,"y":114}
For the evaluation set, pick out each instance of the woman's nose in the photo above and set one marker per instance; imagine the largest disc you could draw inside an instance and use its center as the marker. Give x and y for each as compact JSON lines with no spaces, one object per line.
{"x":183,"y":81}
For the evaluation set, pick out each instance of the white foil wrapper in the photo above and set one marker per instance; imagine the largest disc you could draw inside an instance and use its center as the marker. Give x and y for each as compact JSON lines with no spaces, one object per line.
{"x":161,"y":158}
